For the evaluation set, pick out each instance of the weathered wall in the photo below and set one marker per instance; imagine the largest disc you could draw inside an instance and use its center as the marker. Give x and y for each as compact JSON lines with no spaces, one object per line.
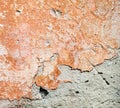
{"x":46,"y":32}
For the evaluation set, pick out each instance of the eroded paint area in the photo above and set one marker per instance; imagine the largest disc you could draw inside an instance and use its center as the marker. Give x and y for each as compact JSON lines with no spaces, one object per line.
{"x":31,"y":33}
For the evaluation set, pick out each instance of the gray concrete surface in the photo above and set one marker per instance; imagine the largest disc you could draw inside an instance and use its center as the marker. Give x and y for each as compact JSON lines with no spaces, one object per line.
{"x":99,"y":88}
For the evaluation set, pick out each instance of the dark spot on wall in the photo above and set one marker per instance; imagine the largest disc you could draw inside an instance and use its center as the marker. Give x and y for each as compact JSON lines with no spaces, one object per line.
{"x":86,"y":81}
{"x":77,"y":92}
{"x":18,"y":11}
{"x":43,"y":92}
{"x":100,"y":72}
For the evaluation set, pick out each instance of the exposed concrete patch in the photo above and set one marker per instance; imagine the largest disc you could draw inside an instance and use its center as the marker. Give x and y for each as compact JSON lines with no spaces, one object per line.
{"x":97,"y":89}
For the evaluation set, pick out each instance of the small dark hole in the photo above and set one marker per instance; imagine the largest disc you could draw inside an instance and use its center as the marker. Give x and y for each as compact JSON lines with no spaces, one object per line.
{"x":18,"y":11}
{"x":100,"y":73}
{"x":59,"y":11}
{"x":43,"y":92}
{"x":106,"y":81}
{"x":76,"y":92}
{"x":56,"y":11}
{"x":86,"y":81}
{"x":111,"y":77}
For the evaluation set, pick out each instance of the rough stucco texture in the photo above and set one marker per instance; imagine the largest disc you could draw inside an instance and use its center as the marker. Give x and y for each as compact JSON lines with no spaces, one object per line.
{"x":77,"y":33}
